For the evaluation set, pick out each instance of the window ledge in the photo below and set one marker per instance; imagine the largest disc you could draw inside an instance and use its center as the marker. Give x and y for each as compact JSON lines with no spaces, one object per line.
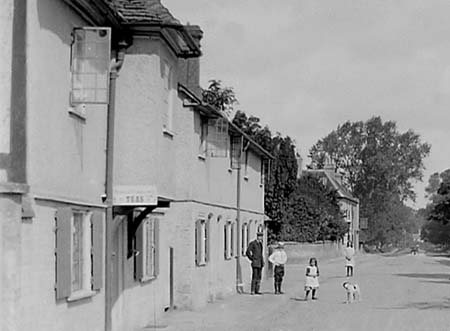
{"x":81,"y":294}
{"x":201,"y":157}
{"x":146,"y":279}
{"x":168,"y":133}
{"x":202,"y":264}
{"x":78,"y":111}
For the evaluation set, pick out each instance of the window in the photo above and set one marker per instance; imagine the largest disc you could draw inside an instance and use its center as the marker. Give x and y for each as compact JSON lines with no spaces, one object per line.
{"x":203,"y":136}
{"x":265,"y":168}
{"x":228,"y":240}
{"x":246,"y":165}
{"x":201,"y":242}
{"x":218,"y":138}
{"x":245,"y":237}
{"x":90,"y":62}
{"x":168,"y":95}
{"x":79,"y":249}
{"x":236,"y":150}
{"x":147,"y":245}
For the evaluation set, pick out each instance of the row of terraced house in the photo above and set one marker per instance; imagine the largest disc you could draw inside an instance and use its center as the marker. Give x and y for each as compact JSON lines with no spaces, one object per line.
{"x":122,"y":194}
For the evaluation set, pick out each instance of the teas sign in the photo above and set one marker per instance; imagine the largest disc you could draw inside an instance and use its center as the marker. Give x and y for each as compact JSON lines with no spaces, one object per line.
{"x":135,"y":195}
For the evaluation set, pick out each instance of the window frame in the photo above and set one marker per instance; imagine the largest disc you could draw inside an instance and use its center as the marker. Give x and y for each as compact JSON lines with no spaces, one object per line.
{"x":90,"y":279}
{"x":85,"y":262}
{"x":228,"y":240}
{"x":244,"y":237}
{"x":169,"y":96}
{"x":201,"y":242}
{"x":203,"y":147}
{"x":145,"y":250}
{"x":77,"y":58}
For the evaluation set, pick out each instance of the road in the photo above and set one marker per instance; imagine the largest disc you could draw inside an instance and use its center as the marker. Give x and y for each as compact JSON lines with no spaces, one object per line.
{"x":402,"y":292}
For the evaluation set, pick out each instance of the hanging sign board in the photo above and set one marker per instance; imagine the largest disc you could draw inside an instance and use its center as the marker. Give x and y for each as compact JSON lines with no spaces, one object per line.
{"x":135,"y":195}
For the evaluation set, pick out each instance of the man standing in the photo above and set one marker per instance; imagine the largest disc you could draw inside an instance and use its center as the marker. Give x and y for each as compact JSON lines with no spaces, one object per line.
{"x":255,"y":254}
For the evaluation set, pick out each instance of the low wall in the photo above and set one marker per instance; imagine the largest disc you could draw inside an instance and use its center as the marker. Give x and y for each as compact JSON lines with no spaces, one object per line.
{"x":300,"y":253}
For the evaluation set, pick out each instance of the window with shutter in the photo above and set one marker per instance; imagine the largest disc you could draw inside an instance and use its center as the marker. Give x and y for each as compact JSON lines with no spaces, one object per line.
{"x":147,"y":247}
{"x":79,"y":247}
{"x":201,"y":242}
{"x":228,"y":240}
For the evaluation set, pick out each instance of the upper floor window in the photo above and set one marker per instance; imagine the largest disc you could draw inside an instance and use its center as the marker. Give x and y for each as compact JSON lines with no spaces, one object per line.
{"x":203,"y":136}
{"x":265,"y":171}
{"x":218,"y":137}
{"x":169,"y":94}
{"x":90,"y":61}
{"x":246,"y":164}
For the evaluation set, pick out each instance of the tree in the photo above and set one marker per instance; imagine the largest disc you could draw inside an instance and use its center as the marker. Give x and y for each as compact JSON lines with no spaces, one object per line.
{"x":221,"y":98}
{"x":439,"y":209}
{"x":380,"y":166}
{"x":375,"y":156}
{"x":313,"y":213}
{"x":300,"y":209}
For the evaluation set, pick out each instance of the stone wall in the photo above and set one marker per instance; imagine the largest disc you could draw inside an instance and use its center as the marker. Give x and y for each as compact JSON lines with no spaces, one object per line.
{"x":300,"y":253}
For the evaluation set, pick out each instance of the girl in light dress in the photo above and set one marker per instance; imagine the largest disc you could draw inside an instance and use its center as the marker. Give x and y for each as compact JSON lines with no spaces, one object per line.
{"x":312,"y":279}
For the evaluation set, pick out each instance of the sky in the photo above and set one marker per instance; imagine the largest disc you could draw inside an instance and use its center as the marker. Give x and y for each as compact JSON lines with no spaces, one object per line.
{"x":305,"y":66}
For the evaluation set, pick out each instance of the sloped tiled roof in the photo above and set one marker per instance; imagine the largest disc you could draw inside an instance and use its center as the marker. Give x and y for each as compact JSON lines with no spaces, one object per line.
{"x":142,"y":11}
{"x":334,"y":183}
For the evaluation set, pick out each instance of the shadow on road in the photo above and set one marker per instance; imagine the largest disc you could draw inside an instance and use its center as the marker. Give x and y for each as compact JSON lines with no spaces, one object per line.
{"x":423,"y":305}
{"x":422,"y":275}
{"x":444,"y":262}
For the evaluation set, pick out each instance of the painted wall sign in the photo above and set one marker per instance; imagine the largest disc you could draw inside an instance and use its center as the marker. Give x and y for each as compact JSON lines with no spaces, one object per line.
{"x":135,"y":195}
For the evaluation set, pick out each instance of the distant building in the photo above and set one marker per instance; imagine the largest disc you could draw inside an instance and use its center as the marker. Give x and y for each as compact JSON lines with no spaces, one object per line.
{"x":349,"y":204}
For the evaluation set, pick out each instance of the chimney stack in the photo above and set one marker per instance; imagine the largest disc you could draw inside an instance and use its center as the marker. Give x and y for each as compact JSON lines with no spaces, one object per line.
{"x":190,"y":68}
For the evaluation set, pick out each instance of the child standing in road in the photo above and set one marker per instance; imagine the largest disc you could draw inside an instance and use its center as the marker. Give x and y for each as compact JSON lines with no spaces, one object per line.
{"x":312,"y":278}
{"x":278,"y":258}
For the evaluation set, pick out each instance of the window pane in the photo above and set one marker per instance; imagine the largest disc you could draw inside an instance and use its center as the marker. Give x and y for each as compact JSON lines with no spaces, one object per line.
{"x":90,"y":65}
{"x":77,"y":252}
{"x":149,"y":249}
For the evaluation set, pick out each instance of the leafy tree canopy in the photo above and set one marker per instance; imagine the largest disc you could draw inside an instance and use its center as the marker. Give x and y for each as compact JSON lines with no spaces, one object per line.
{"x":375,"y":156}
{"x":439,"y":194}
{"x":380,"y":165}
{"x":222,"y":98}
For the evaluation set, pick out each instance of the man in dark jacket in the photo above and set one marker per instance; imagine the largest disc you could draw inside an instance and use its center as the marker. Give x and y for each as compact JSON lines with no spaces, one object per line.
{"x":255,"y":254}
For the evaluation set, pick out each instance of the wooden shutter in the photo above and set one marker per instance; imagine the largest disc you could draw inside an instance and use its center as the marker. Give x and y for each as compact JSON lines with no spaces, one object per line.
{"x":208,"y":240}
{"x":97,"y":249}
{"x":139,"y":255}
{"x":225,"y":240}
{"x":156,"y":244}
{"x":63,"y":252}
{"x":198,"y":237}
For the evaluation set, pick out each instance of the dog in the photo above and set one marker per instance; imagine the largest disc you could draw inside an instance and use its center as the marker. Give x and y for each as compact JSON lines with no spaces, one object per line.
{"x":353,"y":292}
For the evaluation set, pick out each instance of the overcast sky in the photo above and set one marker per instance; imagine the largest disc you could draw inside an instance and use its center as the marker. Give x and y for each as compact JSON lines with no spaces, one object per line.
{"x":305,"y":66}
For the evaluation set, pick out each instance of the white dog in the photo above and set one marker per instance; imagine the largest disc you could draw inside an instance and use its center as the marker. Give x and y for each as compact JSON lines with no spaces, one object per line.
{"x":353,"y":292}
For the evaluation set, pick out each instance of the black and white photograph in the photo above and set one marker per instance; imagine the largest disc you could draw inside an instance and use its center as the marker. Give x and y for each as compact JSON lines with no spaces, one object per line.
{"x":240,"y":165}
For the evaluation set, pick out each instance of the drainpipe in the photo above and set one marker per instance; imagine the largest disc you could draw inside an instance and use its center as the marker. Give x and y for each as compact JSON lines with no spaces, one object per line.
{"x":239,"y":284}
{"x":116,"y":64}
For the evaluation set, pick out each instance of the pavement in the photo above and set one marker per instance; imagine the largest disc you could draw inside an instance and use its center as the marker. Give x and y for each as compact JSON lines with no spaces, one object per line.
{"x":400,"y":292}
